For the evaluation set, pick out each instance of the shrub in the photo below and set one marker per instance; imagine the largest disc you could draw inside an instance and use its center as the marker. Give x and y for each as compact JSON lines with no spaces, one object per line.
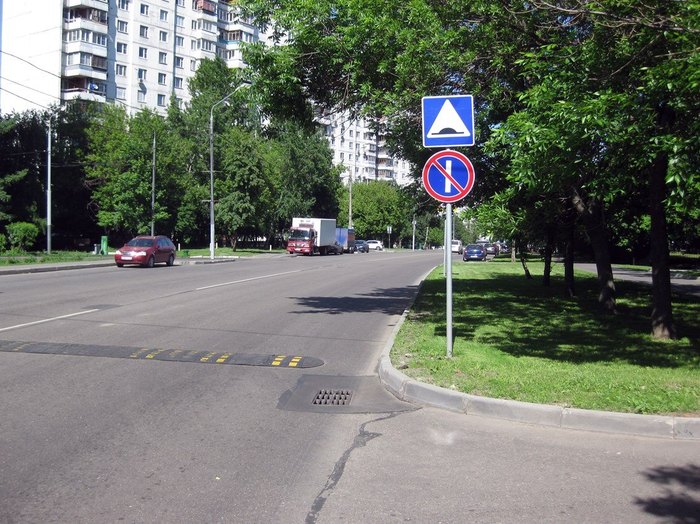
{"x":22,"y":235}
{"x":3,"y":243}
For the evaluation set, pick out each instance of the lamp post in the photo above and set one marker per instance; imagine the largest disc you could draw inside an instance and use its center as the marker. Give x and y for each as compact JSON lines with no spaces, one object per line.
{"x":211,"y":168}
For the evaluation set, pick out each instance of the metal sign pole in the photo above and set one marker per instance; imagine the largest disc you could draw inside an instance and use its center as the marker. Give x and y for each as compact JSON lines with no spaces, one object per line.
{"x":448,"y":278}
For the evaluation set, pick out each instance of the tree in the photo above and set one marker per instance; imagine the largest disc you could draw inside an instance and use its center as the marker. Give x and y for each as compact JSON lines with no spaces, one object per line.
{"x":627,"y":72}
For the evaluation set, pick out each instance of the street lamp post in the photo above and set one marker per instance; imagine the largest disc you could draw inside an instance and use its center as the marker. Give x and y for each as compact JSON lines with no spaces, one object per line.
{"x":211,"y":168}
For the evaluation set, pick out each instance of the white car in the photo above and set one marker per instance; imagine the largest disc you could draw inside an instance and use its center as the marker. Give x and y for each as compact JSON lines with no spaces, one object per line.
{"x":457,"y":246}
{"x":375,"y":244}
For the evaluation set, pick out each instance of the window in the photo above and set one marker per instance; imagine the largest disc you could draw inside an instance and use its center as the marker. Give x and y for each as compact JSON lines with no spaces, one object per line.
{"x":162,"y":58}
{"x":121,"y":48}
{"x":123,"y":4}
{"x":122,"y":26}
{"x":180,"y":21}
{"x":121,"y":93}
{"x":208,"y":46}
{"x":163,"y":37}
{"x":163,"y":15}
{"x":99,"y":39}
{"x":178,"y":62}
{"x":181,"y":3}
{"x":162,"y":77}
{"x":179,"y":41}
{"x":178,"y":82}
{"x":161,"y":100}
{"x":143,"y":31}
{"x":121,"y":70}
{"x":141,"y":73}
{"x":144,"y":9}
{"x":141,"y":96}
{"x":193,"y":65}
{"x":143,"y":52}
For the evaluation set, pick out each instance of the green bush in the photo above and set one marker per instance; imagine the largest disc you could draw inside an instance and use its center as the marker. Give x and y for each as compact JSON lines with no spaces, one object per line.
{"x":3,"y":243}
{"x":22,"y":235}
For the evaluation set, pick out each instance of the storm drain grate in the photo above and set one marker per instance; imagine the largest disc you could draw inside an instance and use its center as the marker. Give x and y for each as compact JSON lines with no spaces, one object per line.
{"x":333,"y":397}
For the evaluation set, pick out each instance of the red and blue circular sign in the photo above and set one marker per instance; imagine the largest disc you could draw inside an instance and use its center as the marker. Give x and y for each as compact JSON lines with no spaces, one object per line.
{"x":448,"y":176}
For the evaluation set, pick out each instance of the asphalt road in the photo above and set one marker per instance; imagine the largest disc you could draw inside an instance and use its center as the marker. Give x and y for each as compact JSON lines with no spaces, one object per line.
{"x":182,"y":395}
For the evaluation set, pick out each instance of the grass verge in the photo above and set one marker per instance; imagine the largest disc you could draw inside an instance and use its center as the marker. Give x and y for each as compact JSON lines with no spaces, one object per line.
{"x":515,"y":339}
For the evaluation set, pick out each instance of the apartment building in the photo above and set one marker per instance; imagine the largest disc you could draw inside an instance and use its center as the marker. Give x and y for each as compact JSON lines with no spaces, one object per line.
{"x":139,"y":53}
{"x":362,"y":152}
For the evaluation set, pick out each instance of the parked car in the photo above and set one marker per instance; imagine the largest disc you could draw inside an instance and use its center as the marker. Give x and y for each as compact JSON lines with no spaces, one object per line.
{"x":375,"y":245}
{"x":492,"y":249}
{"x":474,"y":252}
{"x":146,"y":251}
{"x":361,"y":246}
{"x":457,"y":246}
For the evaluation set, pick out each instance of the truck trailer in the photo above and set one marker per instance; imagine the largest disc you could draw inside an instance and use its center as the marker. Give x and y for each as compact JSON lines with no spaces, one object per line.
{"x":313,"y":235}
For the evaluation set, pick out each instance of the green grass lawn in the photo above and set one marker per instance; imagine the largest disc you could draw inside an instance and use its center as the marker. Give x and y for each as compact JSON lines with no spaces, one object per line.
{"x":516,"y":339}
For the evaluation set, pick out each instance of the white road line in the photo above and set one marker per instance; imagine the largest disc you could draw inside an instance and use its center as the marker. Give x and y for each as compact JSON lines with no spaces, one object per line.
{"x":248,"y":280}
{"x":48,"y":320}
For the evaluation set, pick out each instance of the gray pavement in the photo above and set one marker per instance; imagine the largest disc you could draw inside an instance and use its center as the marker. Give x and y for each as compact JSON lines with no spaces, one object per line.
{"x":409,"y":390}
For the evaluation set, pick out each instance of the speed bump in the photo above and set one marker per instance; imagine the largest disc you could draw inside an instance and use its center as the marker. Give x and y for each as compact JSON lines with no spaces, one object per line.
{"x":169,"y":355}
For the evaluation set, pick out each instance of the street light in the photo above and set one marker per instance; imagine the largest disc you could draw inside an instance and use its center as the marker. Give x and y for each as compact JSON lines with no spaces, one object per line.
{"x":211,"y":168}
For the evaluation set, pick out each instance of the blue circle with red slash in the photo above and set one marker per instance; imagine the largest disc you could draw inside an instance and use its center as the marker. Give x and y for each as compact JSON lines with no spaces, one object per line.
{"x":448,"y":176}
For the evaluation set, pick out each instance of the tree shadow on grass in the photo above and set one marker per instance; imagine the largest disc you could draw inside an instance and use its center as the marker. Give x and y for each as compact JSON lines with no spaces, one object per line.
{"x":675,"y":505}
{"x":523,"y":318}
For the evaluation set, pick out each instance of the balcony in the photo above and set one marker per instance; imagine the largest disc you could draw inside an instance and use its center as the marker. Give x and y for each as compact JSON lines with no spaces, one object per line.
{"x":83,"y":88}
{"x":96,"y":4}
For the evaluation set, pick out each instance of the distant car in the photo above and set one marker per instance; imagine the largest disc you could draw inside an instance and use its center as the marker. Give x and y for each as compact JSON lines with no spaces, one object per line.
{"x":361,"y":246}
{"x":457,"y":246}
{"x":375,"y":245}
{"x":146,"y":251}
{"x":493,"y":249}
{"x":474,"y":252}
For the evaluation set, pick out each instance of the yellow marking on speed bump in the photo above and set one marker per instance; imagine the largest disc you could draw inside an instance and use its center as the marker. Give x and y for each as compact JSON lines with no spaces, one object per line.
{"x":222,"y":358}
{"x":155,"y":353}
{"x":208,"y":357}
{"x":138,"y":353}
{"x":278,"y":360}
{"x":294,"y":362}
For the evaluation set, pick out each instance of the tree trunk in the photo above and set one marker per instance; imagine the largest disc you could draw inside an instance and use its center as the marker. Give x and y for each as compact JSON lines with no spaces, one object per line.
{"x":569,"y":261}
{"x":523,"y":259}
{"x":593,"y":217}
{"x":548,"y":249}
{"x":662,"y":325}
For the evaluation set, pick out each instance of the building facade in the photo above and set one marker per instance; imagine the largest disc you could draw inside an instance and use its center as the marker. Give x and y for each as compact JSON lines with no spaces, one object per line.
{"x":139,"y":53}
{"x":361,"y":151}
{"x":142,"y":53}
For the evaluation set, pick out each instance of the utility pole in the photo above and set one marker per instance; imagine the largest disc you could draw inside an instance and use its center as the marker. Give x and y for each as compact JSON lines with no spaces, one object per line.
{"x":153,"y":187}
{"x":48,"y":189}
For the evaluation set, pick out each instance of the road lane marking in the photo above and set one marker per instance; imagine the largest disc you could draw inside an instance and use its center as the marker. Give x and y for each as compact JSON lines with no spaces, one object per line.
{"x":47,"y":320}
{"x":247,"y":280}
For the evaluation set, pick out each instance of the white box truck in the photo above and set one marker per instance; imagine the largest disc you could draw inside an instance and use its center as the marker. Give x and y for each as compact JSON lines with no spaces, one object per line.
{"x":313,"y":235}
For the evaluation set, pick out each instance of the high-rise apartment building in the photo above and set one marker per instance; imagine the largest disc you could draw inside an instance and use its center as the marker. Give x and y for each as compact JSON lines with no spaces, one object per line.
{"x":362,"y":151}
{"x":141,"y":53}
{"x":136,"y":52}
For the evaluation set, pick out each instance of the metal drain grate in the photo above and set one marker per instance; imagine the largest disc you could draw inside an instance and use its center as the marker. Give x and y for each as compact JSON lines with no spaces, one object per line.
{"x":333,"y":397}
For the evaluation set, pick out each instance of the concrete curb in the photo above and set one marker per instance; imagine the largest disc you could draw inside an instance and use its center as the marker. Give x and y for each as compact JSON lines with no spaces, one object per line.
{"x":410,"y":390}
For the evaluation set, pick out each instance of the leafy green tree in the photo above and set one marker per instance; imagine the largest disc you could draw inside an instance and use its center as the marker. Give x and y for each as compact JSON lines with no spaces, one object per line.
{"x":22,"y":235}
{"x":242,"y":186}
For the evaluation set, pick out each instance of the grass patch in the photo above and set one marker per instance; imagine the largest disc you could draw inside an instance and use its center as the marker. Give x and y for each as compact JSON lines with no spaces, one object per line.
{"x":8,"y":259}
{"x":515,"y":339}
